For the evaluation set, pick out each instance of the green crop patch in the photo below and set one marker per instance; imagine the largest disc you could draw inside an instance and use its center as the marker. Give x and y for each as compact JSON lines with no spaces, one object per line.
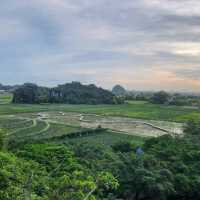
{"x":57,"y":130}
{"x":36,"y":127}
{"x":13,"y":125}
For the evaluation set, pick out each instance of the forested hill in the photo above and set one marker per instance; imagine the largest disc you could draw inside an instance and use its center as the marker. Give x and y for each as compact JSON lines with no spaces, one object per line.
{"x":72,"y":93}
{"x":8,"y":87}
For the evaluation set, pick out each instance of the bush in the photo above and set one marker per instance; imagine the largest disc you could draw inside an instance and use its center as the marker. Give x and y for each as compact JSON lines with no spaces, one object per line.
{"x":2,"y":134}
{"x":192,"y":127}
{"x":161,"y":97}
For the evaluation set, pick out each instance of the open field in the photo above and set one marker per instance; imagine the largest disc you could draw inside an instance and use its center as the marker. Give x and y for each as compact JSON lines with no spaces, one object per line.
{"x":46,"y":125}
{"x":29,"y":127}
{"x":20,"y":128}
{"x":136,"y":119}
{"x":132,"y":126}
{"x":139,"y":110}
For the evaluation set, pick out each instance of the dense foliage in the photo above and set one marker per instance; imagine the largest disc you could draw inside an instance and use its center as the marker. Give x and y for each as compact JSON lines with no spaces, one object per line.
{"x":48,"y":171}
{"x":8,"y":87}
{"x":161,"y":97}
{"x":166,"y":169}
{"x":118,"y":90}
{"x":72,"y":93}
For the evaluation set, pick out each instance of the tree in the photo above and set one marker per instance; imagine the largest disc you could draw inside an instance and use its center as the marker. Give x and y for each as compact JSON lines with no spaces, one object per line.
{"x":123,"y":147}
{"x":192,"y":127}
{"x":28,"y":93}
{"x":161,"y":97}
{"x":71,"y":93}
{"x":118,"y":90}
{"x":155,"y":185}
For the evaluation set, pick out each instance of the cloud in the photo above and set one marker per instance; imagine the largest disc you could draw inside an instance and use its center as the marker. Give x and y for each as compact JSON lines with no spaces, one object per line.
{"x":128,"y":42}
{"x":178,"y":7}
{"x":192,"y":74}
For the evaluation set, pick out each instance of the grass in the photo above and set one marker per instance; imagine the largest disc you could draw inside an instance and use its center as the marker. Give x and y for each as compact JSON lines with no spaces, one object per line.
{"x":57,"y":130}
{"x":106,"y":139}
{"x":5,"y":98}
{"x":24,"y":130}
{"x":14,"y":124}
{"x":141,"y":110}
{"x":29,"y":130}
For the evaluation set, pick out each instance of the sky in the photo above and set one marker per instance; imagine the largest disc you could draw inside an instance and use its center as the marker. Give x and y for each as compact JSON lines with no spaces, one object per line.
{"x":140,"y":44}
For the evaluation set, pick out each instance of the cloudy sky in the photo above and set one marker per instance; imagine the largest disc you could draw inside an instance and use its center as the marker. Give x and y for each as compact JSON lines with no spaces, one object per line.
{"x":141,"y":44}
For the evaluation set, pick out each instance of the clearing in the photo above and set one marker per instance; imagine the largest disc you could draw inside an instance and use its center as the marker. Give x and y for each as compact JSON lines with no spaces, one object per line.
{"x":27,"y":126}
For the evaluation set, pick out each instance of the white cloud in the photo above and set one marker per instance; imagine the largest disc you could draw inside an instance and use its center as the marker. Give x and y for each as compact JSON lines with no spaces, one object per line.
{"x":121,"y":41}
{"x":179,"y":7}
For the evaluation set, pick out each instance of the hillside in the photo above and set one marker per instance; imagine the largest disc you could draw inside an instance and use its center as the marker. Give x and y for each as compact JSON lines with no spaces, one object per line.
{"x":69,"y":93}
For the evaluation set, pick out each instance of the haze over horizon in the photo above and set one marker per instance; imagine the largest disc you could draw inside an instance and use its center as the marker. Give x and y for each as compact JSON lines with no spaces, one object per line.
{"x":140,"y":44}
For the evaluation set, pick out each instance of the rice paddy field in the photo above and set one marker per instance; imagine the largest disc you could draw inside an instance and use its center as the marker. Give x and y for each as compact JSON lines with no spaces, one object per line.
{"x":24,"y":129}
{"x":135,"y":109}
{"x":47,"y":125}
{"x":19,"y":128}
{"x":121,"y":122}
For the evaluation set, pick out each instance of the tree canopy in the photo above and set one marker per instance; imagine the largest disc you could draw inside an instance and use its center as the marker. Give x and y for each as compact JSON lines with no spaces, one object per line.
{"x":118,"y":90}
{"x":72,"y":93}
{"x":161,"y":97}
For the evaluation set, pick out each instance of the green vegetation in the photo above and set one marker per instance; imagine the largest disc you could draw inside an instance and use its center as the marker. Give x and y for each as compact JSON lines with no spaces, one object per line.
{"x":192,"y":127}
{"x":106,"y":139}
{"x":5,"y":98}
{"x":36,"y":127}
{"x":56,"y":130}
{"x":135,"y":109}
{"x":72,"y":93}
{"x":41,"y":131}
{"x":161,"y":97}
{"x":2,"y":136}
{"x":107,"y":167}
{"x":48,"y":172}
{"x":42,"y":157}
{"x":118,"y":90}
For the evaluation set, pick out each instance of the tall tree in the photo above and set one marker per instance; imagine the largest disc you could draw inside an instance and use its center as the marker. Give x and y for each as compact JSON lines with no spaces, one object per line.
{"x":161,"y":97}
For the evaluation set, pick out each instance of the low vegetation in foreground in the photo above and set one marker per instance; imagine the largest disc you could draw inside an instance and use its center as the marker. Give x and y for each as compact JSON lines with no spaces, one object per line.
{"x":163,"y":168}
